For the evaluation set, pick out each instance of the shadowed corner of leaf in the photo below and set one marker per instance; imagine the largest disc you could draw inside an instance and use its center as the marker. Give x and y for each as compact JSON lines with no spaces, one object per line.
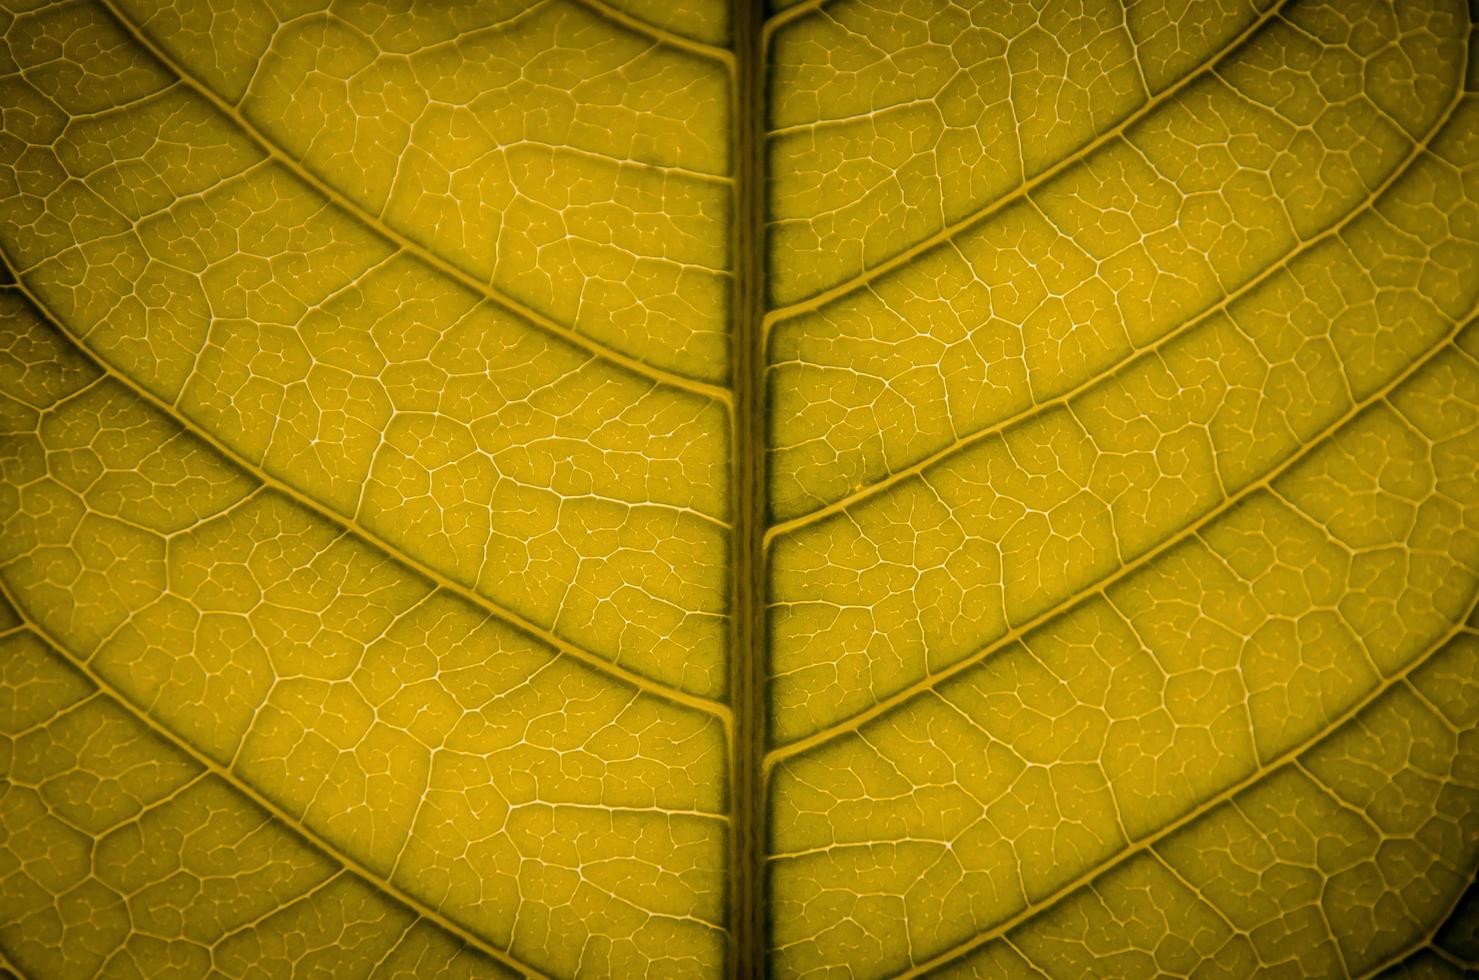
{"x":1459,"y":935}
{"x":1454,"y":945}
{"x":6,"y":277}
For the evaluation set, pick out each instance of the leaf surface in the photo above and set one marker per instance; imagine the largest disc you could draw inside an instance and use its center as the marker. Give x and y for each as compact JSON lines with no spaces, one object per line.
{"x":605,"y":487}
{"x":1122,"y":471}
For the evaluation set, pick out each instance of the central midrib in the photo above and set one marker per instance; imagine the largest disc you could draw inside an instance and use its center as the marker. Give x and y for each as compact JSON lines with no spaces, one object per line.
{"x":746,"y":957}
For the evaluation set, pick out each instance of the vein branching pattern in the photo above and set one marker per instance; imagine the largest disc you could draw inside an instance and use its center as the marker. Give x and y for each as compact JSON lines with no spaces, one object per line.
{"x":583,"y":488}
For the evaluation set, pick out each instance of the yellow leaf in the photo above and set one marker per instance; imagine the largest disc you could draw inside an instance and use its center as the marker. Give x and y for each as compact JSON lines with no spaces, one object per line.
{"x":587,"y":488}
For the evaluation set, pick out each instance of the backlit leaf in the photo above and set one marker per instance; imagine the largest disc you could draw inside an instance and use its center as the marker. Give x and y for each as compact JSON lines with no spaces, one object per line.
{"x":618,"y":488}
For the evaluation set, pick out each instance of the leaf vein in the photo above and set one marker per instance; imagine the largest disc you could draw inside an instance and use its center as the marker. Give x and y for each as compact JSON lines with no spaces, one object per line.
{"x":353,"y":527}
{"x":1147,"y":843}
{"x":1025,"y":188}
{"x":1137,"y":354}
{"x":929,"y":682}
{"x":605,"y":10}
{"x":273,"y":810}
{"x":403,"y":242}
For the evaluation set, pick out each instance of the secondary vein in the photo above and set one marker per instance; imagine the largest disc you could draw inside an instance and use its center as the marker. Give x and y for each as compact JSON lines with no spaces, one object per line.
{"x":368,"y":537}
{"x":1136,"y":354}
{"x":991,"y":208}
{"x":402,"y":241}
{"x":306,"y":833}
{"x":853,"y":722}
{"x":1148,"y":842}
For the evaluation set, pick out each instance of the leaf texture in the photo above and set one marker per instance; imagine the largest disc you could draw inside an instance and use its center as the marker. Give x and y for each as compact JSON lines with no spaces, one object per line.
{"x":617,"y":488}
{"x":307,"y":471}
{"x":1124,"y":486}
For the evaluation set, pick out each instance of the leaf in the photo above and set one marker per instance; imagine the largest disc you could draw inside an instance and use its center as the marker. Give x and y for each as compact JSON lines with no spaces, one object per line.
{"x":420,"y":559}
{"x":1126,"y":531}
{"x":605,"y":487}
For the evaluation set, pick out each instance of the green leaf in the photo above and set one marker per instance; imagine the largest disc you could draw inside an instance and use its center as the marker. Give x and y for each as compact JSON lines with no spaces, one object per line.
{"x":608,"y":487}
